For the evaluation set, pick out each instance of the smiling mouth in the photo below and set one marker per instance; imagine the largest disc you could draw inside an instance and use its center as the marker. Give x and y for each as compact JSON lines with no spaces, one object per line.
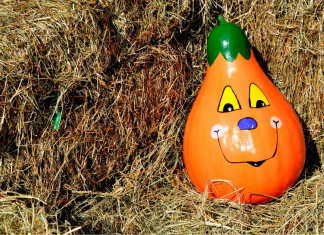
{"x":255,"y":164}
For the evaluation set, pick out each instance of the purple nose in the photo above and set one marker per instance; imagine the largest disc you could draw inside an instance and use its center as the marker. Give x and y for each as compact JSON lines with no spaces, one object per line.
{"x":247,"y":124}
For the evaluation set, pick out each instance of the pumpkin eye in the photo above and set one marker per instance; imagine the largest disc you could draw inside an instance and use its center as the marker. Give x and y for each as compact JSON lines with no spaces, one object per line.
{"x":257,"y":98}
{"x":228,"y":101}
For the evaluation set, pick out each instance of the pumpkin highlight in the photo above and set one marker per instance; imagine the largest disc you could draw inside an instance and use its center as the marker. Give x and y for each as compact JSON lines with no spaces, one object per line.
{"x":243,"y":141}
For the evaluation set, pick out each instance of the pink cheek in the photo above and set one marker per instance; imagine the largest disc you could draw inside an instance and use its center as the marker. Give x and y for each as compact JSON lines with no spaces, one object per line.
{"x":217,"y":131}
{"x":275,"y":122}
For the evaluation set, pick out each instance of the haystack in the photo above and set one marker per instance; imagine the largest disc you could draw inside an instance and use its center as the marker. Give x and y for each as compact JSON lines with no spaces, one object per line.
{"x":94,"y":100}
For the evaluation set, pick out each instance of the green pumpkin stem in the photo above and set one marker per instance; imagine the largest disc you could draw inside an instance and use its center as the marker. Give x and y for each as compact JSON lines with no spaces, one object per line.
{"x":221,"y":20}
{"x":229,"y":40}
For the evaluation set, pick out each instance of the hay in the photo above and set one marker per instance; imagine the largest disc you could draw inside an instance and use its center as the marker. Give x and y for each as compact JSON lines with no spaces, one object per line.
{"x":94,"y":100}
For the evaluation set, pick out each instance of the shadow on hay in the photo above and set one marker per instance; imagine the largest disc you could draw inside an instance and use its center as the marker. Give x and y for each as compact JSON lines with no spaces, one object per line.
{"x":313,"y":161}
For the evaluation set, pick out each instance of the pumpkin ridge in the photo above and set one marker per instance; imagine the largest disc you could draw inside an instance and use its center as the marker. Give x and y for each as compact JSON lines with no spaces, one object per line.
{"x":229,"y":40}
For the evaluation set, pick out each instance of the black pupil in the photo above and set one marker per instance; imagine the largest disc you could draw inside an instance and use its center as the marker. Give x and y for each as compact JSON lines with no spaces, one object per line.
{"x":228,"y":108}
{"x":260,"y":104}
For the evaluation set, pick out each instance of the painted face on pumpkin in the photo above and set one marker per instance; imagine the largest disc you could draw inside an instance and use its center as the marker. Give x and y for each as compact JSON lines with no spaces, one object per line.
{"x":230,"y":103}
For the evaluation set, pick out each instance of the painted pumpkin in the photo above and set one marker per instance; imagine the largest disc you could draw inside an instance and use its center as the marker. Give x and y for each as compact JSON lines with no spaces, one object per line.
{"x":242,"y":141}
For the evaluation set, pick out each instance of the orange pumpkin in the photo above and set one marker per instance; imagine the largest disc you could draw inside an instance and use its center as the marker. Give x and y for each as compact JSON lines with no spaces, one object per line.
{"x":242,"y":141}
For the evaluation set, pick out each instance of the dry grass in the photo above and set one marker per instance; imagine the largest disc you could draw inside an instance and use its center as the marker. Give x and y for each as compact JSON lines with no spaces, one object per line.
{"x":124,"y":75}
